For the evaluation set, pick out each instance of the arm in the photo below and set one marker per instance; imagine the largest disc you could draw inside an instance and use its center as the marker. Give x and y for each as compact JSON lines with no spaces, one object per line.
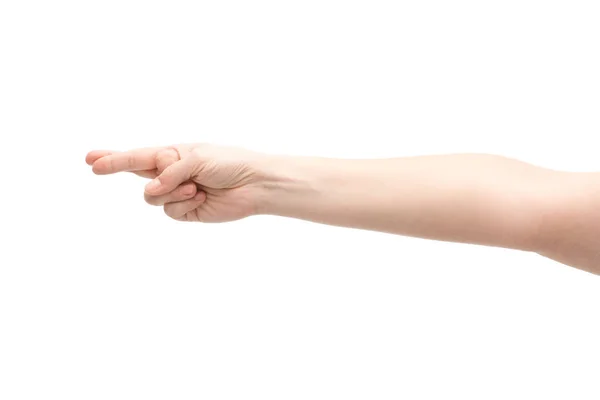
{"x":469,"y":198}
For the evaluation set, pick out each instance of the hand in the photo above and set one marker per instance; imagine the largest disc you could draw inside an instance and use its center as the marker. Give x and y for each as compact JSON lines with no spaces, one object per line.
{"x":194,"y":182}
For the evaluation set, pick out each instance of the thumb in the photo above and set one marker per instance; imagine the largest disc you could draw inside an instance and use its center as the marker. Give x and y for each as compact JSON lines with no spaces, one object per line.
{"x":173,"y":176}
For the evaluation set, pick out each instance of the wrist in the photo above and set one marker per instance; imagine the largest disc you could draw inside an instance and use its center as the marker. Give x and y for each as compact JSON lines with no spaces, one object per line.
{"x":286,"y":184}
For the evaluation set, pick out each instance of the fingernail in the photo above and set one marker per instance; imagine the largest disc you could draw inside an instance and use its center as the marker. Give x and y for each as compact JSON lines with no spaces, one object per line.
{"x":153,"y":185}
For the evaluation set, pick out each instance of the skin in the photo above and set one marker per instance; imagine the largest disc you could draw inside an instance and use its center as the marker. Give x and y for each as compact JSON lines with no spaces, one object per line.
{"x":469,"y":198}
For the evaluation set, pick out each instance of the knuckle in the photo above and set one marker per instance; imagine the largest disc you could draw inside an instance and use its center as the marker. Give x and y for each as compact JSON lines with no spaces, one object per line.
{"x":199,"y":150}
{"x":169,"y":210}
{"x":152,"y":200}
{"x":175,"y":151}
{"x":176,"y":198}
{"x":158,"y":163}
{"x":166,"y":158}
{"x":131,"y":162}
{"x":111,"y":164}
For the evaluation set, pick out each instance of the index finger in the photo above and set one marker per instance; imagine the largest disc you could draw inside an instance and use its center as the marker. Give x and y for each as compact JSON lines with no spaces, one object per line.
{"x":133,"y":160}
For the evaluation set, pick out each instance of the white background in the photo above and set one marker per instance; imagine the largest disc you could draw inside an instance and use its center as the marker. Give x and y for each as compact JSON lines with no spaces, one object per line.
{"x":104,"y":297}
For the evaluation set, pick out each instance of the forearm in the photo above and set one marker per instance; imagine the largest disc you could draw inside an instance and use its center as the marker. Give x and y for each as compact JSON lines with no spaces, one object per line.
{"x":478,"y":199}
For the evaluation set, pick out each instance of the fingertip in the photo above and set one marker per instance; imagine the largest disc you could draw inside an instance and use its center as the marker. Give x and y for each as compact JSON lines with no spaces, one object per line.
{"x":188,"y":189}
{"x":200,"y":196}
{"x":95,"y":155}
{"x":95,"y":168}
{"x":89,"y":160}
{"x":99,"y":167}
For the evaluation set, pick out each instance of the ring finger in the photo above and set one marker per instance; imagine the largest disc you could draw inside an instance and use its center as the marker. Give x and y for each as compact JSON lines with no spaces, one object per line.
{"x":183,"y":192}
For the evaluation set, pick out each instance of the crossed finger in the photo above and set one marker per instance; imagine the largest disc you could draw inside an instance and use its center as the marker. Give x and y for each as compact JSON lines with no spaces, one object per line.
{"x":148,"y":162}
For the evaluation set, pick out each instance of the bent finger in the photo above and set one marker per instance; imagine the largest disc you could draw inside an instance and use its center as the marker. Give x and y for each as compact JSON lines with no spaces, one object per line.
{"x":184,"y":192}
{"x":180,"y":209}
